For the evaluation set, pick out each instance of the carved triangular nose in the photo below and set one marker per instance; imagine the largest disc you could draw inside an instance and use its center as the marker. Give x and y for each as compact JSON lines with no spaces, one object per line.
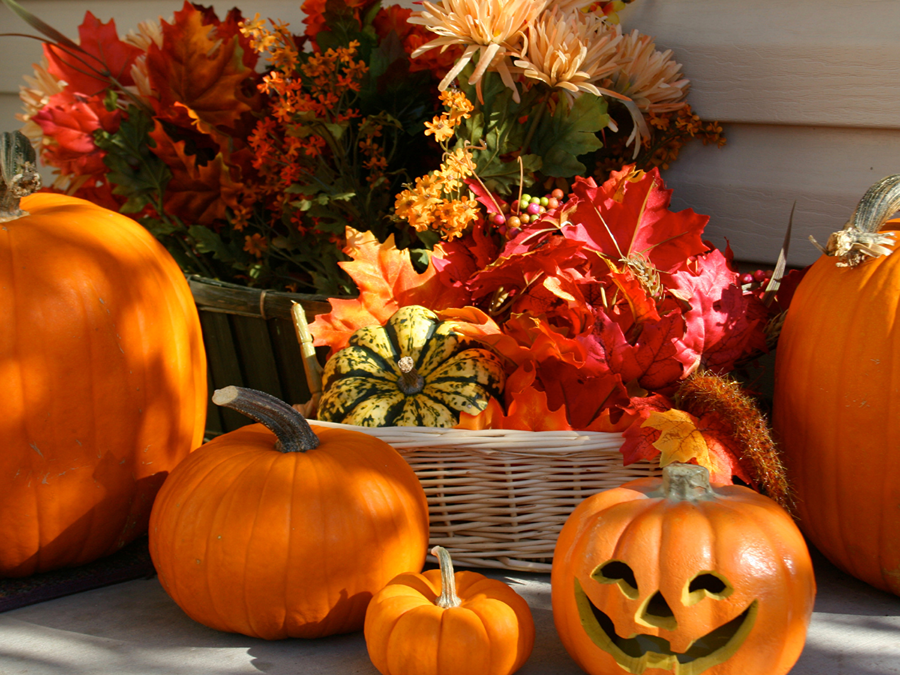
{"x":656,"y":612}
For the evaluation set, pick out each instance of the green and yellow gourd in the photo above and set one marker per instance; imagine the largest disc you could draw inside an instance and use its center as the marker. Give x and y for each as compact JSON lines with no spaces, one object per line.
{"x":413,"y":371}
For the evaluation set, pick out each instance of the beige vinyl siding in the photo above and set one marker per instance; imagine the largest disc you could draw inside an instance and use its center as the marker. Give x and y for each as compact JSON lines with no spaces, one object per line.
{"x":808,"y":91}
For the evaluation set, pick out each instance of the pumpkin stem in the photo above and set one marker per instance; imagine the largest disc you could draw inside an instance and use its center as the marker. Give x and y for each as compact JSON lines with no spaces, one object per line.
{"x":18,"y":176}
{"x":860,"y":239}
{"x":410,"y":381}
{"x":448,"y":597}
{"x":686,"y":482}
{"x":289,"y":426}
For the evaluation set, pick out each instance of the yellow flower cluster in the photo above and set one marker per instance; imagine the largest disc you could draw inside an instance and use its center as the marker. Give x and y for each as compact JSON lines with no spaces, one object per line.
{"x":436,"y":201}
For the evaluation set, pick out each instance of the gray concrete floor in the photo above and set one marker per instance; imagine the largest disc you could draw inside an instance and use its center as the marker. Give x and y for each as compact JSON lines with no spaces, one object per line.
{"x":134,"y":628}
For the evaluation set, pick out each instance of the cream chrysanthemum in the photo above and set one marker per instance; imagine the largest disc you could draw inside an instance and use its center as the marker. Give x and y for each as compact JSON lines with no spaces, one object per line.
{"x":571,"y":51}
{"x":490,"y":28}
{"x":650,"y":78}
{"x":35,"y":96}
{"x":148,"y":33}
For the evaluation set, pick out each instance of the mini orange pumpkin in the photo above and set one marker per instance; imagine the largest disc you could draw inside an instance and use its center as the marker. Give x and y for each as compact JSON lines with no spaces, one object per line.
{"x":284,"y":531}
{"x":443,"y":623}
{"x":103,"y":373}
{"x":673,"y":575}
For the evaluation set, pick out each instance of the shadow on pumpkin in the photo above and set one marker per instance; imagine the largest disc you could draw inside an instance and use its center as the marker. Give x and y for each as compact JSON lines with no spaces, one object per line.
{"x":104,"y":373}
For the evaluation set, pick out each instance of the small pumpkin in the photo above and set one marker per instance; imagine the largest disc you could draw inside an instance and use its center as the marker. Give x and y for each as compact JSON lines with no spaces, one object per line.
{"x":103,"y":372}
{"x":673,"y":575}
{"x":836,"y":396}
{"x":280,"y":529}
{"x":441,"y":622}
{"x":414,"y":371}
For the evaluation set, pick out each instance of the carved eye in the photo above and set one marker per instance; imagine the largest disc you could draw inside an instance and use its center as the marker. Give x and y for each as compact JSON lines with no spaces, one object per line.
{"x":707,"y":584}
{"x":619,"y":573}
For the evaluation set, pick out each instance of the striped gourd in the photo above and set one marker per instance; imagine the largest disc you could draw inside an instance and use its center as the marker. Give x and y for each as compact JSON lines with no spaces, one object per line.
{"x":413,"y":371}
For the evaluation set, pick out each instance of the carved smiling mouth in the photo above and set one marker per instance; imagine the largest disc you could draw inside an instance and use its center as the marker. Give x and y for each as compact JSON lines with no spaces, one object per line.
{"x":640,"y":652}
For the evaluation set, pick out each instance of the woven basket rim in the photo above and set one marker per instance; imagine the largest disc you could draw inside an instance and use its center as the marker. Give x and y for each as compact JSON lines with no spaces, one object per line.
{"x":490,"y":440}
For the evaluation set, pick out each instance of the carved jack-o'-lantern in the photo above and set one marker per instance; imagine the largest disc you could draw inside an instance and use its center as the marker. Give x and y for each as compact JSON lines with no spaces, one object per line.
{"x":672,"y":575}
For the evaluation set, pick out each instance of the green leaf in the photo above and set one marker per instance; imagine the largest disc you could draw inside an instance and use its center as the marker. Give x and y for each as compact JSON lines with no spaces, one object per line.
{"x":158,"y":227}
{"x":134,"y":170}
{"x":570,"y":133}
{"x":208,"y":241}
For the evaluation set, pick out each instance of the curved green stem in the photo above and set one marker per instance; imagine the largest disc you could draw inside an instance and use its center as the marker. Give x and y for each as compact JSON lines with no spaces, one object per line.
{"x":448,"y":597}
{"x":289,"y":426}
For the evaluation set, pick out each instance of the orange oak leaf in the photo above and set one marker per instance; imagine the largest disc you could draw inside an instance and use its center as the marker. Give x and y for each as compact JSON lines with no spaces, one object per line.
{"x":527,"y":408}
{"x":386,"y":280}
{"x":679,"y":436}
{"x":199,"y":69}
{"x":643,"y":307}
{"x":199,"y":194}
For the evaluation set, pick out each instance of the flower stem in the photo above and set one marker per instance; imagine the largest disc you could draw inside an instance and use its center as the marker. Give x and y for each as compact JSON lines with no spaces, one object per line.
{"x":541,"y":108}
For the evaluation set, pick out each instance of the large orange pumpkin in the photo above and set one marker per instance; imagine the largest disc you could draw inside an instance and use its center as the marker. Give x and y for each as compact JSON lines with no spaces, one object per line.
{"x":103,"y":374}
{"x":672,"y":575}
{"x":286,"y":531}
{"x":837,"y":394}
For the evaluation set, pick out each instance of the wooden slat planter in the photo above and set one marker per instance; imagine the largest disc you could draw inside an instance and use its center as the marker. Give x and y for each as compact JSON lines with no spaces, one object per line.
{"x":250,"y":342}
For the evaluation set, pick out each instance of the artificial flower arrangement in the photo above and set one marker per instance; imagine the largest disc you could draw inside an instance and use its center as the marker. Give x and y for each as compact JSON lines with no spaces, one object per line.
{"x":251,"y":169}
{"x":544,"y":233}
{"x":608,"y":310}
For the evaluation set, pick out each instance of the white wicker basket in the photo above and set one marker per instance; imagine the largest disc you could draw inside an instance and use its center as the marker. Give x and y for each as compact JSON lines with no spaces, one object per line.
{"x":499,"y":498}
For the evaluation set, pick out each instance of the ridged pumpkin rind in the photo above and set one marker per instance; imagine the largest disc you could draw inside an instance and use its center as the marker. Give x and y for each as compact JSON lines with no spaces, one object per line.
{"x":251,"y":540}
{"x":836,"y":414}
{"x":360,"y":382}
{"x":104,"y":376}
{"x":491,"y":632}
{"x":737,"y":533}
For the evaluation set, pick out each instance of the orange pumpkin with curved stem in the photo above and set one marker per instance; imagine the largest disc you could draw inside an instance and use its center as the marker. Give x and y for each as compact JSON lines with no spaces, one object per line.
{"x":836,"y":403}
{"x":103,"y":372}
{"x":286,"y":531}
{"x":674,"y":576}
{"x":441,"y":623}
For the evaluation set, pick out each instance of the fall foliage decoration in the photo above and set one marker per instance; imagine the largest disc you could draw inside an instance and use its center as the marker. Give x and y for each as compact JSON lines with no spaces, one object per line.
{"x":248,"y":149}
{"x":671,"y":574}
{"x":717,"y":424}
{"x":280,"y":529}
{"x":600,"y":308}
{"x":448,"y":623}
{"x":835,"y":399}
{"x":103,"y":369}
{"x":413,"y":371}
{"x":250,"y":168}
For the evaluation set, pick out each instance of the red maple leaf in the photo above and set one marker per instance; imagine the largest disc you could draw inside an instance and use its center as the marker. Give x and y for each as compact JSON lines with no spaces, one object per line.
{"x":723,"y":323}
{"x":198,"y":70}
{"x":628,"y":217}
{"x":105,"y":57}
{"x":652,"y":354}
